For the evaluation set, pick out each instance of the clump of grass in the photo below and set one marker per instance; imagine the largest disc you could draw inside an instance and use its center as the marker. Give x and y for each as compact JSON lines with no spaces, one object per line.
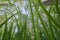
{"x":17,"y":26}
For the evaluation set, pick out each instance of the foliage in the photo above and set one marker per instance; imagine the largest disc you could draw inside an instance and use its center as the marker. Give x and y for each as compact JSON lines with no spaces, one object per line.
{"x":41,"y":22}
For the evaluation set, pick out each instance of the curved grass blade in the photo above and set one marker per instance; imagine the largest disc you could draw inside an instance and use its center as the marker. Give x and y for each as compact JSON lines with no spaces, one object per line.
{"x":6,"y":20}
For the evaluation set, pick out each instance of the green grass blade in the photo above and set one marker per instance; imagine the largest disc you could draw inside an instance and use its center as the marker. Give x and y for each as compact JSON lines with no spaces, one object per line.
{"x":6,"y":20}
{"x":32,"y":18}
